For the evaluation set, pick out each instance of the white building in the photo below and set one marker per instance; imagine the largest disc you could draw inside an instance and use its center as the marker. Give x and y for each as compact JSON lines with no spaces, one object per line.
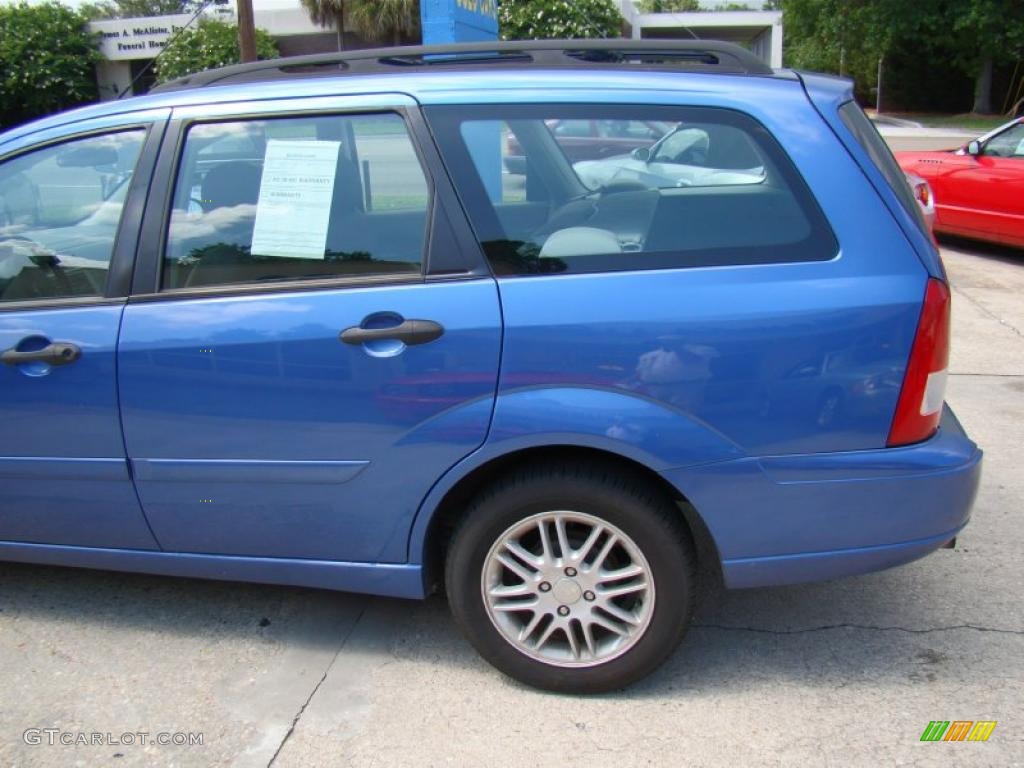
{"x":129,"y":45}
{"x":758,"y":30}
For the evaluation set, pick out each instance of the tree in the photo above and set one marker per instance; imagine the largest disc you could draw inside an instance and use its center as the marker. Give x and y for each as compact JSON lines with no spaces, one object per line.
{"x":547,"y":19}
{"x":668,"y":6}
{"x":209,"y":45}
{"x":988,"y":31}
{"x":957,"y":36}
{"x":47,"y":60}
{"x":128,"y":9}
{"x":329,"y":13}
{"x":833,"y":36}
{"x":381,"y":19}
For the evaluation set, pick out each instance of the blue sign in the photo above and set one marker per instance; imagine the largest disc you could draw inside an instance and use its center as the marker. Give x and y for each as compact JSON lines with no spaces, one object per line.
{"x":469,"y":21}
{"x":458,"y":21}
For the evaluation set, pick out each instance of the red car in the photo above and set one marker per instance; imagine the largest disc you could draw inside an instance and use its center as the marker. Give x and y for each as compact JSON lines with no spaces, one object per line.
{"x":978,"y":189}
{"x":592,"y":139}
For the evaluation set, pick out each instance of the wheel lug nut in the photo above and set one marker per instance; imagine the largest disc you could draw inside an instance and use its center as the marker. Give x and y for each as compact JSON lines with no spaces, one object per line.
{"x":563,"y":610}
{"x":588,"y":595}
{"x":544,"y":587}
{"x":570,"y":572}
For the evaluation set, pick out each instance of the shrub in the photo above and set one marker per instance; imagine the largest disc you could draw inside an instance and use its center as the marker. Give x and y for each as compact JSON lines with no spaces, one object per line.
{"x":209,"y":45}
{"x":547,"y":19}
{"x":47,"y":60}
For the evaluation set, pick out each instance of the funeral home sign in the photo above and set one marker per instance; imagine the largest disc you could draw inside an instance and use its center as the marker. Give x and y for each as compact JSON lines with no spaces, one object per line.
{"x":122,"y":39}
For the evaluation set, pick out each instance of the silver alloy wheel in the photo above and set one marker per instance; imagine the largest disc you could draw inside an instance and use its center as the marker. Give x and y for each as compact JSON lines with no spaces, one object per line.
{"x":568,"y":589}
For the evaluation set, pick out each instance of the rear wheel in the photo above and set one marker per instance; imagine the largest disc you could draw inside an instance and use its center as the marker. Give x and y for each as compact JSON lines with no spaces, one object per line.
{"x":574,"y":578}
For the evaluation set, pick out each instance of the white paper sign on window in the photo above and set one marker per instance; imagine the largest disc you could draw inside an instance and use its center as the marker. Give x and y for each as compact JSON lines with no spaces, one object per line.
{"x":294,"y":206}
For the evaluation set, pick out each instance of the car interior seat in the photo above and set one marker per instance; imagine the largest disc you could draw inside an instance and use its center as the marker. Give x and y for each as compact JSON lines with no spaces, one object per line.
{"x":229,"y":184}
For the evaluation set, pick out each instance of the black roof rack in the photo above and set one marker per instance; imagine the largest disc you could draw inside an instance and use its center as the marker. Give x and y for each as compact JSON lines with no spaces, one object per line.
{"x":692,"y":55}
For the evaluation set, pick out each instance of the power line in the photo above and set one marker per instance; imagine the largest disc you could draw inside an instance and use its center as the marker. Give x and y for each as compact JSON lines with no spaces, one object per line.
{"x":170,"y":42}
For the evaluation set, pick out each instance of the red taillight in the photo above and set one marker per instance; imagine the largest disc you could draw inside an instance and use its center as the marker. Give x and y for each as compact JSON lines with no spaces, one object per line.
{"x":924,"y":384}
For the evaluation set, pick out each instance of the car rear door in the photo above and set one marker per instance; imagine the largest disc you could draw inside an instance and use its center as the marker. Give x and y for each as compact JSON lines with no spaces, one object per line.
{"x":1003,"y":164}
{"x":69,"y":207}
{"x":310,"y":344}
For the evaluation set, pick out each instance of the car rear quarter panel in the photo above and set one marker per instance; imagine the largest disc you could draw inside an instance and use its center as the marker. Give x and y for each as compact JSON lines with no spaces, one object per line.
{"x":828,"y":94}
{"x":702,"y":367}
{"x":731,"y":346}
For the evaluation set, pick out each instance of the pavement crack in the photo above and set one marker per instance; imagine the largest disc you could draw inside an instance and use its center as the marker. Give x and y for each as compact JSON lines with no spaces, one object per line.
{"x":327,"y":671}
{"x":868,"y":627}
{"x":986,"y":311}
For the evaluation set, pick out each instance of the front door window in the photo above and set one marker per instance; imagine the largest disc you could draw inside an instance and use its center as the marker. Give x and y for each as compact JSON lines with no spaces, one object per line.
{"x":60,"y":207}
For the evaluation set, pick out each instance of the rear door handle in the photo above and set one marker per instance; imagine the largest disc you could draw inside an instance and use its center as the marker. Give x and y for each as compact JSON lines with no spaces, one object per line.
{"x":409,"y":332}
{"x":57,"y":353}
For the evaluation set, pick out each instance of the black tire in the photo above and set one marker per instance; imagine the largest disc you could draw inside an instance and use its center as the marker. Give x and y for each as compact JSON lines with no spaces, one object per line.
{"x":624,"y":500}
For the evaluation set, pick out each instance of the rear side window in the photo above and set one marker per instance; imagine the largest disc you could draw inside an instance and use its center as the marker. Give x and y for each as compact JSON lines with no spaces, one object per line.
{"x":867,"y":136}
{"x":60,"y":207}
{"x":645,"y":187}
{"x":296,"y":198}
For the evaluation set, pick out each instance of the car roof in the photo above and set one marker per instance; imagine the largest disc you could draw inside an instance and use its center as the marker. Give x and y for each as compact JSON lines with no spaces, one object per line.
{"x":517,"y":73}
{"x":492,"y":87}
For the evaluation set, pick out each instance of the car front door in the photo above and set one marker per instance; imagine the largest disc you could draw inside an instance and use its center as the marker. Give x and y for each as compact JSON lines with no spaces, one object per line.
{"x":1003,"y":160}
{"x":68,"y":224}
{"x":983,"y":195}
{"x":311,"y":345}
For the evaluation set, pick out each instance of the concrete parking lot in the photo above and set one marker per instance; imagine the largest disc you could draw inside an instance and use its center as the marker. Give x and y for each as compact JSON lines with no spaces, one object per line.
{"x":845,"y":673}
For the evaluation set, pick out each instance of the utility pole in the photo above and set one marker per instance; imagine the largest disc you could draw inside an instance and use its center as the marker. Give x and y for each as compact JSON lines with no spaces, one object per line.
{"x":878,"y":95}
{"x":246,"y":31}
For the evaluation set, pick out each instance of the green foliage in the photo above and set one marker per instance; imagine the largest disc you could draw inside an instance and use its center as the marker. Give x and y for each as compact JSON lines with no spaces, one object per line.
{"x":128,"y":9}
{"x":374,"y":20}
{"x":327,"y":13}
{"x":834,"y":36}
{"x":989,"y":28}
{"x":849,"y":36}
{"x":547,"y":19}
{"x":668,"y":6}
{"x":384,"y":19}
{"x":208,"y":45}
{"x":684,"y":6}
{"x":46,"y":61}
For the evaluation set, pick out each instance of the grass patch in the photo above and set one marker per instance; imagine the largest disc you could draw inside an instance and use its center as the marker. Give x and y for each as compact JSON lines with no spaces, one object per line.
{"x":969,"y":122}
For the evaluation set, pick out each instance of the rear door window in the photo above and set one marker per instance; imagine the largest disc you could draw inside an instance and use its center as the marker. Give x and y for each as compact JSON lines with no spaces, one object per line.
{"x":295,"y":198}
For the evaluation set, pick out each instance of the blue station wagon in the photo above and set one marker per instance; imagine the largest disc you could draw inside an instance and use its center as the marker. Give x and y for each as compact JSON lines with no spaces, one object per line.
{"x":361,"y":322}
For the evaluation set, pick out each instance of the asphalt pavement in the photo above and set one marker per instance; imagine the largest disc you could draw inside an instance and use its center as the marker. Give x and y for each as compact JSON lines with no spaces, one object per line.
{"x":847,"y":673}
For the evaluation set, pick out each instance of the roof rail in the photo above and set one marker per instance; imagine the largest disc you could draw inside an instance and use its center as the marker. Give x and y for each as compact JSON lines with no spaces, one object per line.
{"x":693,"y":55}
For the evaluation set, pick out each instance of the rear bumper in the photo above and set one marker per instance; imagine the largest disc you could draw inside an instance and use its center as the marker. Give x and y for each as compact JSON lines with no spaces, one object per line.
{"x":821,"y":566}
{"x":789,"y":519}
